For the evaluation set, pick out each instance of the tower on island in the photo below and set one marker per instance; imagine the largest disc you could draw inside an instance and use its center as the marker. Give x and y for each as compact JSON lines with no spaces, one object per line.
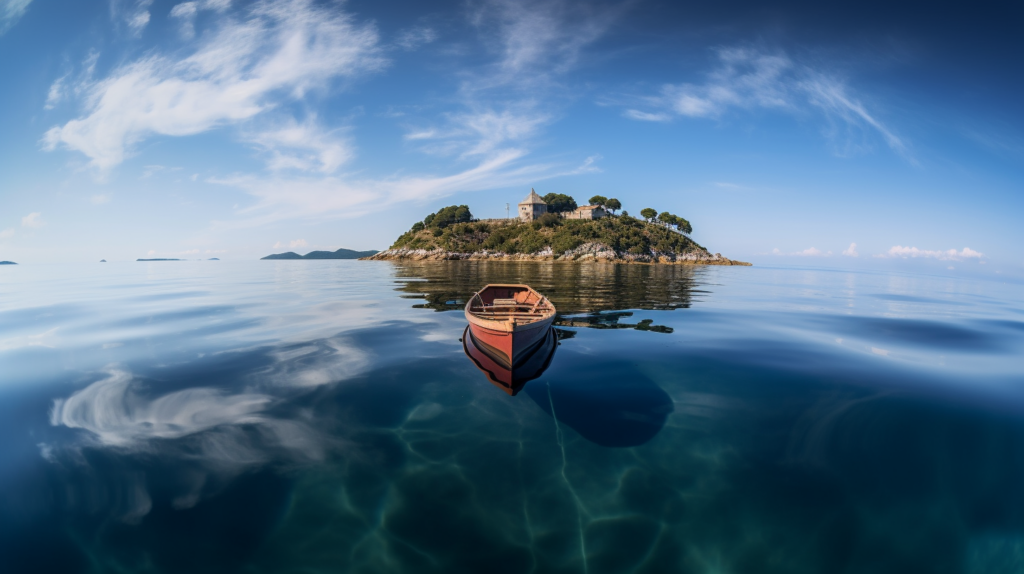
{"x":532,"y":207}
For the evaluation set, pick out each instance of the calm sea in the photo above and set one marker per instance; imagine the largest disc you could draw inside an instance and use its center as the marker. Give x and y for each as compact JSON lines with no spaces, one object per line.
{"x":322,"y":416}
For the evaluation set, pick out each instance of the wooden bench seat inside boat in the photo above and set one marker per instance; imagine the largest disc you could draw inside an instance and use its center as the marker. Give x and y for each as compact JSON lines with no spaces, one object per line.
{"x":503,"y":302}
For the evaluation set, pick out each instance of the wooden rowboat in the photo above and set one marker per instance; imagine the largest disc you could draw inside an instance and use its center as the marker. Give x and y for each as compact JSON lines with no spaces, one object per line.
{"x":508,"y":321}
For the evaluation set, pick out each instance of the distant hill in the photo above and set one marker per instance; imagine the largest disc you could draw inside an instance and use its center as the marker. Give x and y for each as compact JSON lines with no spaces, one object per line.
{"x":158,"y":259}
{"x":13,"y":263}
{"x":289,"y":255}
{"x":339,"y":254}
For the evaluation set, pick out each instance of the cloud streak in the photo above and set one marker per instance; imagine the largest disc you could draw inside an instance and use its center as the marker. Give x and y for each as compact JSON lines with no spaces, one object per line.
{"x":282,"y":49}
{"x":809,"y":252}
{"x":749,"y":79}
{"x":947,"y":255}
{"x":337,"y":197}
{"x":303,"y":146}
{"x":186,"y":13}
{"x":537,"y":39}
{"x":32,"y":220}
{"x":10,"y":12}
{"x":247,"y":70}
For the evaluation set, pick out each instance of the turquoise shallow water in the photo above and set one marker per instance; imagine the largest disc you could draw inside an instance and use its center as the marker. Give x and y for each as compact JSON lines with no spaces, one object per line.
{"x":321,"y":416}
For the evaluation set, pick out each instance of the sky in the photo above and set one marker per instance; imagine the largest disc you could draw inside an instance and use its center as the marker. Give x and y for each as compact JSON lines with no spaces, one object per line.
{"x":872,"y":134}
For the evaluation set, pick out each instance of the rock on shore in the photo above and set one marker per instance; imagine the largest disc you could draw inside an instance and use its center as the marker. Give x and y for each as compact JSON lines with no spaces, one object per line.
{"x":588,"y":252}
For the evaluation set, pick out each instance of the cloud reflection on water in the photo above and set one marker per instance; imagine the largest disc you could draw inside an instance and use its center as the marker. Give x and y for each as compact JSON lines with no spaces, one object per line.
{"x":746,"y":439}
{"x":117,"y":414}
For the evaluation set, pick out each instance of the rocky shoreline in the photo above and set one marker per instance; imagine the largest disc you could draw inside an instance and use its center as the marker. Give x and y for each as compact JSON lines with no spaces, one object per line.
{"x":589,"y":252}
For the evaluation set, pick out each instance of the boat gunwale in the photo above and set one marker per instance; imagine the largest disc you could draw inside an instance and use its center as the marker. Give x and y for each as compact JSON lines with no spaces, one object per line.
{"x":508,"y":322}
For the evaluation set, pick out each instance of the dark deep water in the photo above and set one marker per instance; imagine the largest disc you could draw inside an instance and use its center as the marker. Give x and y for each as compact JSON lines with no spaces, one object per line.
{"x":321,"y":416}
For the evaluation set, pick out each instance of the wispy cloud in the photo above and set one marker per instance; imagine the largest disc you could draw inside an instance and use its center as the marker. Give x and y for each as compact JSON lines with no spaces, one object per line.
{"x":947,"y":255}
{"x":751,"y":79}
{"x":481,"y":131}
{"x":809,"y":252}
{"x":508,"y":100}
{"x":335,"y":196}
{"x":247,"y":69}
{"x":186,"y":13}
{"x":10,"y":12}
{"x":7,"y":233}
{"x":33,"y":220}
{"x":647,"y":116}
{"x":414,"y":38}
{"x":536,"y":39}
{"x":281,"y":50}
{"x":851,"y":251}
{"x":55,"y":93}
{"x":131,"y":13}
{"x":303,"y":146}
{"x":100,"y":199}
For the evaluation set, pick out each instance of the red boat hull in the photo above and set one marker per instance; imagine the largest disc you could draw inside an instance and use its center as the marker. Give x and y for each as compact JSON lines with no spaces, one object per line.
{"x":530,"y":365}
{"x":508,"y":347}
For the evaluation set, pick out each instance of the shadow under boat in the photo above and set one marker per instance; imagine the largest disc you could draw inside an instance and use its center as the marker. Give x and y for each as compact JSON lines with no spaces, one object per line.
{"x":506,"y":374}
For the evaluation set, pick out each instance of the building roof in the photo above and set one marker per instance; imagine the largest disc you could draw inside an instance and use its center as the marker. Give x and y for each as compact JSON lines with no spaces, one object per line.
{"x":533,"y":198}
{"x":582,"y":207}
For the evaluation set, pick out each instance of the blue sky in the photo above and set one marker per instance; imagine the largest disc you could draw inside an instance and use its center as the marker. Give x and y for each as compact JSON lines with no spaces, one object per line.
{"x":231,"y":129}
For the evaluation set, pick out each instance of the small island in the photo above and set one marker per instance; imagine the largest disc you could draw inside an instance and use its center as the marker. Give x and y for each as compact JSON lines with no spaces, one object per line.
{"x":554,"y":228}
{"x":7,"y":263}
{"x":339,"y":254}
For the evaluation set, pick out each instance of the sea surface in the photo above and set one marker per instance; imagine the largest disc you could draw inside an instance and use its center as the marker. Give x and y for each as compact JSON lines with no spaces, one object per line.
{"x":323,"y":416}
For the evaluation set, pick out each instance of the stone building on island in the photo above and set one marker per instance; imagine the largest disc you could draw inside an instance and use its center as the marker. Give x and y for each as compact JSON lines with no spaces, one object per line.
{"x":587,"y":212}
{"x":532,"y":207}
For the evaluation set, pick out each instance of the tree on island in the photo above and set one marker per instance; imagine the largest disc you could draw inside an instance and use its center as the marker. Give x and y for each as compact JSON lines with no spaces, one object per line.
{"x":670,"y":219}
{"x":598,"y":200}
{"x":559,"y":203}
{"x":648,"y":213}
{"x":612,"y":204}
{"x":448,"y":216}
{"x":683,"y":225}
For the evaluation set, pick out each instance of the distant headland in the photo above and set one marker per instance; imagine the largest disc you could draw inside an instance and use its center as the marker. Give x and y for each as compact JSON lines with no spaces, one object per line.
{"x":554,"y":228}
{"x":339,"y":254}
{"x":7,"y":263}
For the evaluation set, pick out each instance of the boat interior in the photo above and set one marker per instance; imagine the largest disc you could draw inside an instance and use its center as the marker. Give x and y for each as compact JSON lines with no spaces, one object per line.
{"x":518,"y":302}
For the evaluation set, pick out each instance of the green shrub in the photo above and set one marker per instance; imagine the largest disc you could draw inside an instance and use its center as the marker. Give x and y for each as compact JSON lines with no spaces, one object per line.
{"x":547,"y":220}
{"x":530,"y":241}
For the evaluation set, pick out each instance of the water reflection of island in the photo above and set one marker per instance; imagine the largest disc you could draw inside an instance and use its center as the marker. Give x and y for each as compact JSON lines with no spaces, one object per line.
{"x":610,"y":321}
{"x":591,"y":296}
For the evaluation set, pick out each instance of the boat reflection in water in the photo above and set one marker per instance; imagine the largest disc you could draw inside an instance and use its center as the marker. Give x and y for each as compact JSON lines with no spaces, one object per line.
{"x":509,"y":375}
